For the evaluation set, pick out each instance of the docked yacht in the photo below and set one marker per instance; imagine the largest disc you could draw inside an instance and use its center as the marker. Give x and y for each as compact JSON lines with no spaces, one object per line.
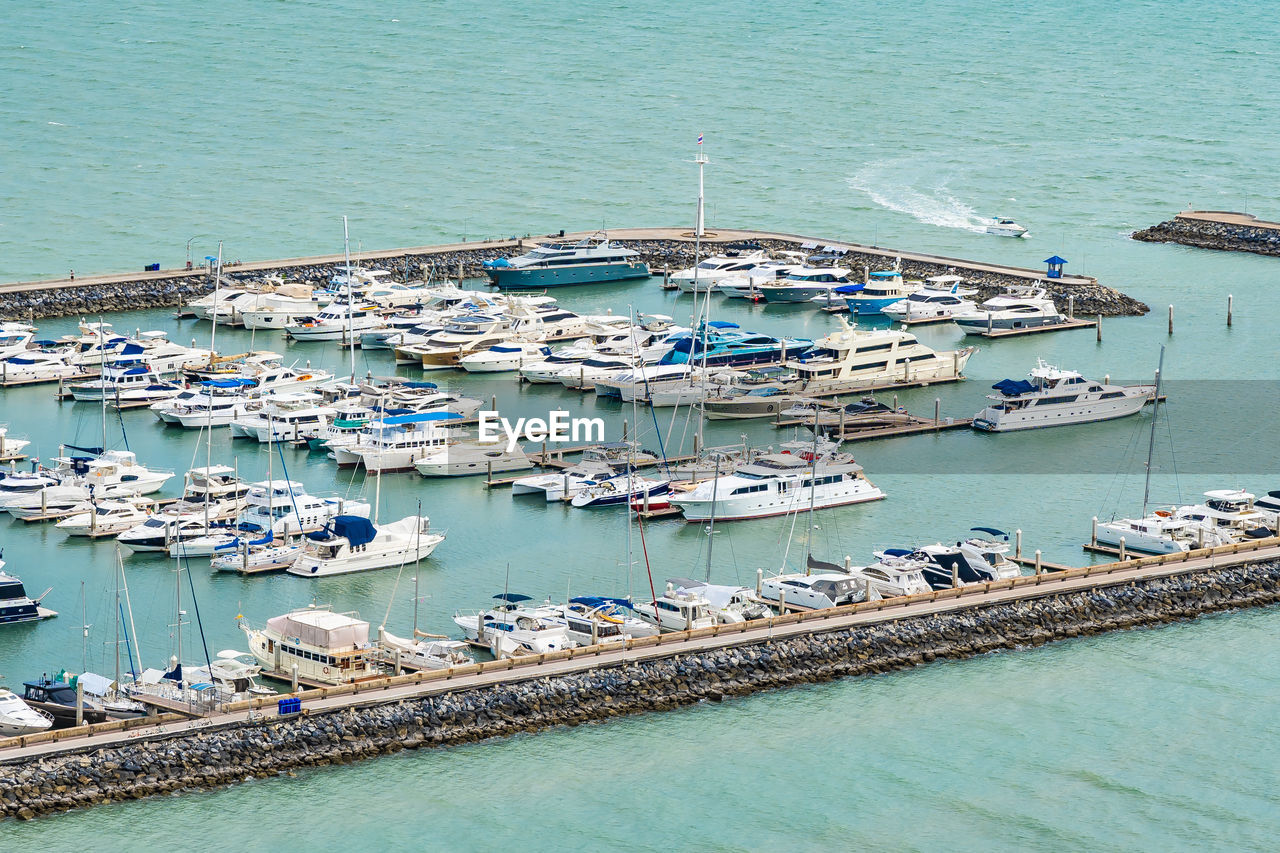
{"x":282,"y":417}
{"x":585,"y":375}
{"x":866,"y":413}
{"x":215,"y":403}
{"x":37,"y":366}
{"x":465,"y":458}
{"x":288,"y":303}
{"x":813,"y":590}
{"x":564,"y":484}
{"x":595,"y":619}
{"x":337,"y":321}
{"x":278,"y":509}
{"x":853,"y":359}
{"x":121,"y":380}
{"x":512,"y":628}
{"x":776,"y":484}
{"x":396,"y":442}
{"x":714,"y":271}
{"x":894,"y":575}
{"x":460,"y":336}
{"x":677,"y":610}
{"x":1164,"y":531}
{"x":15,"y":605}
{"x":429,"y":653}
{"x":352,"y":543}
{"x":882,"y":288}
{"x":327,"y":647}
{"x":1055,"y":397}
{"x":1019,"y":307}
{"x":804,"y":284}
{"x":9,"y":445}
{"x":18,"y":718}
{"x":589,"y":261}
{"x":157,"y":533}
{"x":505,"y":357}
{"x":106,"y":517}
{"x":941,"y":298}
{"x":729,"y":604}
{"x":546,"y":369}
{"x":15,"y":339}
{"x":619,"y":489}
{"x":722,"y":344}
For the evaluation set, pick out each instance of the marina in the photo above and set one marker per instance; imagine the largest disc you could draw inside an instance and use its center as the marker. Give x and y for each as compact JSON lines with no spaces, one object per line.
{"x":442,"y":423}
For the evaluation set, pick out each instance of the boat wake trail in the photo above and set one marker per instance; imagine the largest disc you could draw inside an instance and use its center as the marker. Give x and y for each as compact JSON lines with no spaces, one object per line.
{"x":887,"y":184}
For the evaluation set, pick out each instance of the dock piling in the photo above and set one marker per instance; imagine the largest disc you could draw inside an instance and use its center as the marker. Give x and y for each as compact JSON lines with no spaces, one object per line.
{"x":1017,"y":542}
{"x":1039,"y":568}
{"x":1123,"y":557}
{"x":1230,"y":299}
{"x":1099,"y":328}
{"x":759,"y":581}
{"x":1170,"y":319}
{"x":1093,"y":537}
{"x":293,"y":678}
{"x":937,"y":411}
{"x":1071,"y":306}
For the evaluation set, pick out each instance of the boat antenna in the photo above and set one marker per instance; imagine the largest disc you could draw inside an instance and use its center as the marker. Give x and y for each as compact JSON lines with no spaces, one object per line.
{"x":351,"y":305}
{"x":1151,"y":443}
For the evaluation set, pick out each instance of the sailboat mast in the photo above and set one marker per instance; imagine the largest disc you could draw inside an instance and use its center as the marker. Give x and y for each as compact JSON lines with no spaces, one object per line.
{"x":813,"y":491}
{"x":213,"y":331}
{"x":1151,"y":443}
{"x":711,"y":525}
{"x":117,"y":616}
{"x":351,"y":305}
{"x":84,"y":633}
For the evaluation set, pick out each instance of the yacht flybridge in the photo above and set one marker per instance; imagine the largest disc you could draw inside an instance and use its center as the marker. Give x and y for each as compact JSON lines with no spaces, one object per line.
{"x":1019,"y":307}
{"x":588,"y":261}
{"x":852,"y":359}
{"x":1052,"y":397}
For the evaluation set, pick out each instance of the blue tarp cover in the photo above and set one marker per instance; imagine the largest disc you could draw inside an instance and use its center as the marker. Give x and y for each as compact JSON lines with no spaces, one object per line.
{"x":1013,"y":387}
{"x":421,"y":417}
{"x":356,"y":529}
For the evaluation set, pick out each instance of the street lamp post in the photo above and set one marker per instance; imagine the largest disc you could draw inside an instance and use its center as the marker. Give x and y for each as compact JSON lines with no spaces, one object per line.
{"x":189,"y":240}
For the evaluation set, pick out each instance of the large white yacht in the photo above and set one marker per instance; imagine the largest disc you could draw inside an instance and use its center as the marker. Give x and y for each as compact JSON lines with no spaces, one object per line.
{"x":710,"y":273}
{"x":1019,"y":307}
{"x":460,"y":336}
{"x":941,"y":298}
{"x":15,"y":338}
{"x":895,"y":575}
{"x":804,"y":284}
{"x":587,"y":261}
{"x":395,"y":443}
{"x":327,"y":647}
{"x":215,"y":403}
{"x":1056,"y":397}
{"x":812,"y":591}
{"x":337,"y":321}
{"x":352,"y":543}
{"x":853,"y":359}
{"x":776,"y":484}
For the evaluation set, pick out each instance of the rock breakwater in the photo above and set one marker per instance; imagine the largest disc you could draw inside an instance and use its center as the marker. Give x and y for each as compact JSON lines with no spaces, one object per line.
{"x":1262,"y":238}
{"x":1090,"y":298}
{"x":274,"y":746}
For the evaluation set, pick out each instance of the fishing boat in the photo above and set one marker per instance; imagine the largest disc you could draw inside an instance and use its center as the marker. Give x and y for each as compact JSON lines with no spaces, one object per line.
{"x":18,"y":718}
{"x":1003,"y":227}
{"x":510,"y":628}
{"x":776,"y":484}
{"x":589,"y":261}
{"x":326,"y":647}
{"x":1019,"y":307}
{"x":852,"y":359}
{"x":1053,"y":397}
{"x":941,"y":298}
{"x":353,"y":543}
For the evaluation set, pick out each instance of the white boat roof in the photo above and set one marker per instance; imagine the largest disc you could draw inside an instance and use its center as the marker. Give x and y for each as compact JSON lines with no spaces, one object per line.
{"x":321,"y":628}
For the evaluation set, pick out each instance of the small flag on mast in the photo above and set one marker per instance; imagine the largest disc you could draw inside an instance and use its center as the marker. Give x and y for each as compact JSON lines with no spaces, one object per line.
{"x":699,"y":138}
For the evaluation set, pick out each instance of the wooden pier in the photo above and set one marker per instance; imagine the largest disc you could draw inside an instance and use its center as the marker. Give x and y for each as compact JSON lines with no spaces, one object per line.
{"x":1035,"y":330}
{"x":850,"y":432}
{"x":6,"y":382}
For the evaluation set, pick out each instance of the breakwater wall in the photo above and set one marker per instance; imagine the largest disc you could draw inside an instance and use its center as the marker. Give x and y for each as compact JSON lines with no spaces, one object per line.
{"x":660,"y":248}
{"x":1211,"y":229}
{"x":273,"y":746}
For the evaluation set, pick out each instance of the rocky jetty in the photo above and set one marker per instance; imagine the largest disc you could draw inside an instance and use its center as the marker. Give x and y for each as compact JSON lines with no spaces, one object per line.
{"x":273,"y":745}
{"x":1090,"y":297}
{"x":1208,"y":230}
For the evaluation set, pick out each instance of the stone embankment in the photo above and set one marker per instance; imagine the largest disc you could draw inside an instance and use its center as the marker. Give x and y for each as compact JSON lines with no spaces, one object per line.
{"x":275,"y":746}
{"x":1222,"y":230}
{"x":155,"y":291}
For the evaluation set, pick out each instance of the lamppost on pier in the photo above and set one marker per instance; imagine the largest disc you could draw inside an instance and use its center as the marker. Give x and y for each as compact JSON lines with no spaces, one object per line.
{"x":189,"y":239}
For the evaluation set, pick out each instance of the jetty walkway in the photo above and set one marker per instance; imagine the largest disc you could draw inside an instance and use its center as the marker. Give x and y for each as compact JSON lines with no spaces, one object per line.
{"x":497,"y":673}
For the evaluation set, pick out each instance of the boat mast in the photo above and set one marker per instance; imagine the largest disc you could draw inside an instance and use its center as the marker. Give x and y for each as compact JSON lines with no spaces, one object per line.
{"x":711,"y":525}
{"x":117,"y":617}
{"x":213,"y":331}
{"x":1151,"y":443}
{"x":351,"y":305}
{"x":813,"y":492}
{"x":84,"y":625}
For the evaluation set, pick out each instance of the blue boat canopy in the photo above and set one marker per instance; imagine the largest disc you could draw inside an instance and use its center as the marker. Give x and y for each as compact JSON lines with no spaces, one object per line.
{"x":990,"y":530}
{"x":885,"y":274}
{"x":226,"y":383}
{"x":356,"y":529}
{"x":512,"y":597}
{"x":721,"y":324}
{"x":898,"y":552}
{"x":497,"y":262}
{"x":850,"y":288}
{"x":131,"y":349}
{"x":600,"y":601}
{"x":420,"y":385}
{"x":1013,"y":387}
{"x":421,"y":417}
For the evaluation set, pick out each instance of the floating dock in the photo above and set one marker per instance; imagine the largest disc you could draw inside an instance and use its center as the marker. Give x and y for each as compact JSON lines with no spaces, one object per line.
{"x":1035,"y":330}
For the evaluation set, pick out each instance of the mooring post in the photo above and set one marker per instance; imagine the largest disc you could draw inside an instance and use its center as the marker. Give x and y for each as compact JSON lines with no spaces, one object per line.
{"x":759,"y":581}
{"x":79,"y":702}
{"x":782,"y":602}
{"x":1017,"y":542}
{"x":1039,"y":570}
{"x":1230,"y":299}
{"x":1071,"y":306}
{"x":1171,"y":319}
{"x":937,"y":411}
{"x":1122,"y":550}
{"x":1093,"y":537}
{"x":293,"y":678}
{"x":1099,"y":328}
{"x":955,"y":580}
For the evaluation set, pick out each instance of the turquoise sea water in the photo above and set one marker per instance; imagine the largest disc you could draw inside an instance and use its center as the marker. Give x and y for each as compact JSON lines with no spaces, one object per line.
{"x":133,"y":127}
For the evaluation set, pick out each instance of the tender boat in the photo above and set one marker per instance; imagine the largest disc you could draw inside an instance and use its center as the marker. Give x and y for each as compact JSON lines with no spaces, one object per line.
{"x":327,"y":647}
{"x":1019,"y":307}
{"x":1055,"y":397}
{"x":588,"y":261}
{"x":776,"y":484}
{"x":352,"y":543}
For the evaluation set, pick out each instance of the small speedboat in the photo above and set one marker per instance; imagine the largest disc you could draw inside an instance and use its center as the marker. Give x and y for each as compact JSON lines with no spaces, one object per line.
{"x":19,"y":718}
{"x":622,"y":489}
{"x":504,"y":357}
{"x":1002,"y":227}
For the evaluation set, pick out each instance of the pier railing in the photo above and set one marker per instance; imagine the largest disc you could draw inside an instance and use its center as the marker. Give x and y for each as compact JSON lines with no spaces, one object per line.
{"x":389,"y":688}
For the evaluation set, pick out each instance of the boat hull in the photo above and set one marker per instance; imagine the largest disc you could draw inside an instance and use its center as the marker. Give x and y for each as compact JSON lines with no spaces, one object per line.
{"x":540,"y":277}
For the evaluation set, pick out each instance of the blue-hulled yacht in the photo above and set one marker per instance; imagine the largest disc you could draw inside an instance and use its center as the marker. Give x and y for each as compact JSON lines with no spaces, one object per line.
{"x":721,"y":344}
{"x":883,"y":288}
{"x":588,"y":261}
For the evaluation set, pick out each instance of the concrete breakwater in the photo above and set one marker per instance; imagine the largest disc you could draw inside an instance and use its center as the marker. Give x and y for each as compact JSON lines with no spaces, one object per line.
{"x":660,"y":248}
{"x":273,"y":746}
{"x":1215,"y":229}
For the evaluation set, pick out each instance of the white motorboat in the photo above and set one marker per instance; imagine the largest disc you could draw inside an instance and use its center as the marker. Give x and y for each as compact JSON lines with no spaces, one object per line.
{"x":258,"y":555}
{"x":729,"y":604}
{"x":976,"y":559}
{"x":282,"y":418}
{"x":894,"y":575}
{"x":1019,"y":307}
{"x":1055,"y":397}
{"x":747,"y":285}
{"x":853,"y":359}
{"x":106,"y":517}
{"x":619,"y":489}
{"x":804,"y":284}
{"x":36,"y":366}
{"x":1164,"y":531}
{"x":584,"y":375}
{"x":465,"y":458}
{"x":352,"y":543}
{"x":287,"y":304}
{"x":279,"y":508}
{"x":813,"y":591}
{"x":15,"y":339}
{"x":460,"y":336}
{"x":429,"y":653}
{"x":15,"y":605}
{"x":941,"y":298}
{"x":594,"y":624}
{"x":547,"y":369}
{"x":18,"y":718}
{"x":501,"y":358}
{"x":676,"y":610}
{"x":16,"y":486}
{"x":396,"y":443}
{"x":157,"y":533}
{"x":117,"y":377}
{"x":1002,"y":227}
{"x":337,"y":321}
{"x":215,"y":403}
{"x":510,"y":628}
{"x":882,"y":288}
{"x":776,"y":484}
{"x":328,"y":647}
{"x":9,"y":445}
{"x":564,"y":484}
{"x":710,"y":273}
